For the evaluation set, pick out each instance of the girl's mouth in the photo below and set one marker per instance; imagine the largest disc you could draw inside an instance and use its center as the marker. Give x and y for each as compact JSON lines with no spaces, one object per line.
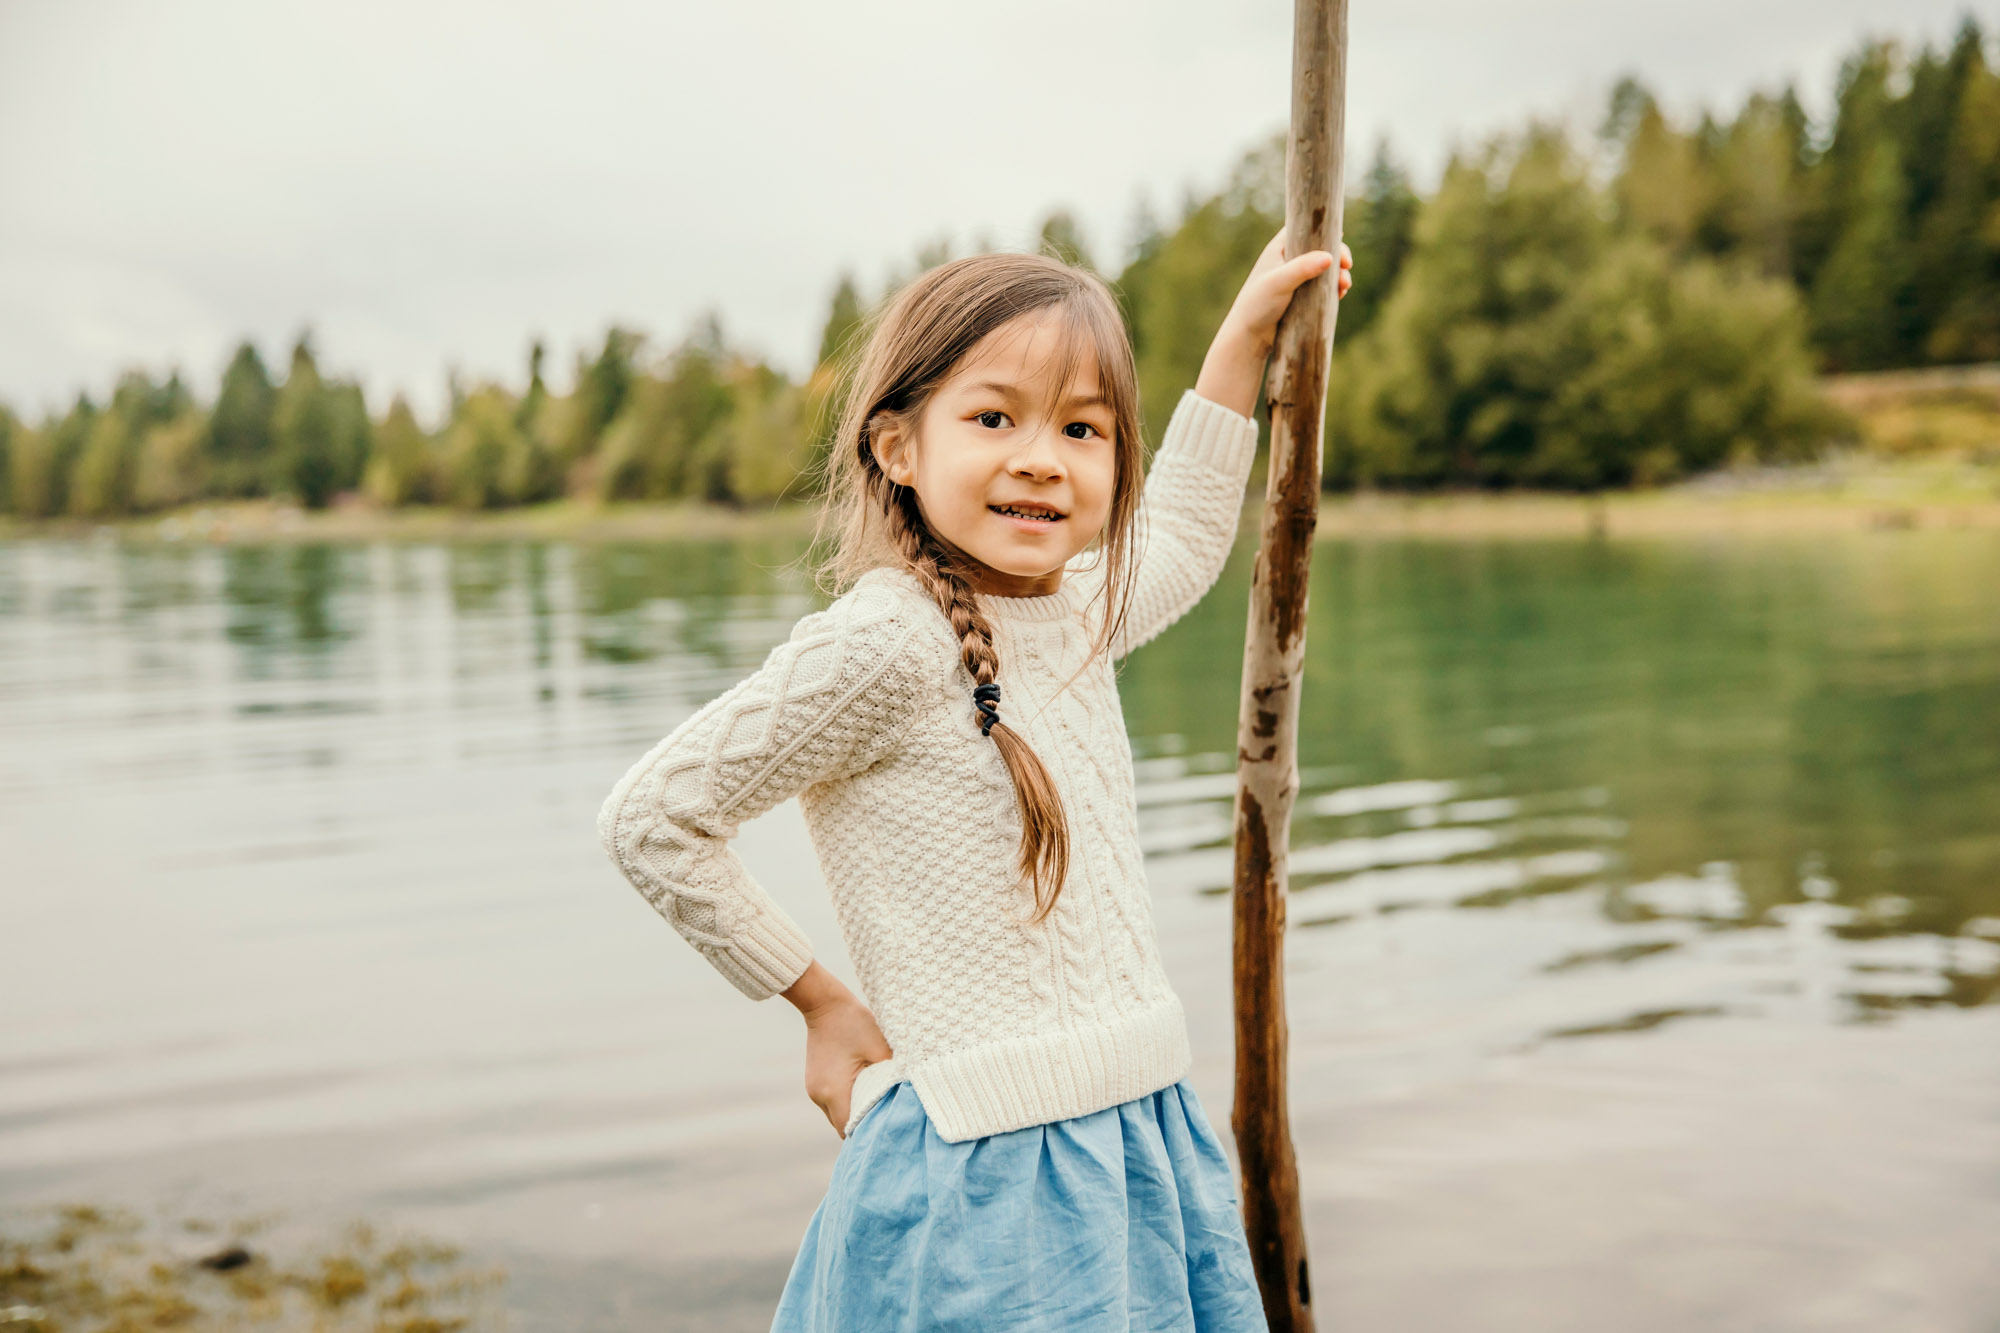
{"x":1031,"y":518}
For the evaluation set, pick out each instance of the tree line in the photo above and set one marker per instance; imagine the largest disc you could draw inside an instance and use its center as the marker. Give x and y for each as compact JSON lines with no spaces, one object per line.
{"x":1646,"y":303}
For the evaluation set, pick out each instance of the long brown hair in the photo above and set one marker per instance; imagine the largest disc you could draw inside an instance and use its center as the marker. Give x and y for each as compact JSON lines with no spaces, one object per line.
{"x":912,"y":346}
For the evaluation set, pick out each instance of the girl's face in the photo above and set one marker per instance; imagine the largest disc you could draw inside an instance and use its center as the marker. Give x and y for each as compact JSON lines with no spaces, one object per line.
{"x":1003,"y":469}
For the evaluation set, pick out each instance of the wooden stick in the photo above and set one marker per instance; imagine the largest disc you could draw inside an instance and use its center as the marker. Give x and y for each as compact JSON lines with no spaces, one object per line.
{"x":1267,"y":773}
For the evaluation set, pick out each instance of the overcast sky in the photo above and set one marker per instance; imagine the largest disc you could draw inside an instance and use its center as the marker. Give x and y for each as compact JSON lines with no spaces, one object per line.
{"x":430,"y":184}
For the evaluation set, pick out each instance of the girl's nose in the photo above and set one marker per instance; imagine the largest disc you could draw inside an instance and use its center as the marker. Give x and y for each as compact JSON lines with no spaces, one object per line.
{"x":1038,"y":457}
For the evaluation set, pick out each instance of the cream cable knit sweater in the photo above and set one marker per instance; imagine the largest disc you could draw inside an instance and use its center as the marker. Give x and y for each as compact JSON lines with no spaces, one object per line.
{"x":866,"y":715}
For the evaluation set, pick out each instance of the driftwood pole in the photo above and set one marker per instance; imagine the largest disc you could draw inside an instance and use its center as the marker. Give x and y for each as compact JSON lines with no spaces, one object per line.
{"x":1267,"y":773}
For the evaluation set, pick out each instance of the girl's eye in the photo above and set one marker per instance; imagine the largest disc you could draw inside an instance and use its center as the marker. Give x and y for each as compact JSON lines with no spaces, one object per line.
{"x":1079,"y":430}
{"x":991,"y":420}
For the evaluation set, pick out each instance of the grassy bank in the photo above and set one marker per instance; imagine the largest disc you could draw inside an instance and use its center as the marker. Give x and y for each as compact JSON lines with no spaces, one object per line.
{"x":1848,"y":492}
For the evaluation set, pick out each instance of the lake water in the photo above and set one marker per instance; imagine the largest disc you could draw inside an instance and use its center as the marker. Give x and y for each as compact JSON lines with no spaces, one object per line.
{"x":1643,"y":971}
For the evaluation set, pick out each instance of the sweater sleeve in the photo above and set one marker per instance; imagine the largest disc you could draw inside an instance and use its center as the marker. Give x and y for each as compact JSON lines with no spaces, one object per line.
{"x":829,"y":702}
{"x":1187,"y":520}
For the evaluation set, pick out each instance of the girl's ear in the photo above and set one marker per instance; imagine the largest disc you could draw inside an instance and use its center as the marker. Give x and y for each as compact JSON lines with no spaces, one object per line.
{"x":892,"y":453}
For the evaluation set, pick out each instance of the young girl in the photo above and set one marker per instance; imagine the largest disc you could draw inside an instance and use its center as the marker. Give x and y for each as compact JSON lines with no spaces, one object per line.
{"x":1022,"y":1147}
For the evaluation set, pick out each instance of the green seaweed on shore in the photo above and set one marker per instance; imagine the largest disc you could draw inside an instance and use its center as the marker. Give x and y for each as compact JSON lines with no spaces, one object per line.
{"x":81,"y":1268}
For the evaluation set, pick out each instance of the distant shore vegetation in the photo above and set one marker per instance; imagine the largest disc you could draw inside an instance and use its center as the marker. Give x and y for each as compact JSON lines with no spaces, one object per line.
{"x":1646,"y":304}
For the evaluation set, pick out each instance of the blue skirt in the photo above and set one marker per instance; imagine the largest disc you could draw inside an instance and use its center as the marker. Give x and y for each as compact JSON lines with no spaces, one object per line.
{"x":1125,"y":1219}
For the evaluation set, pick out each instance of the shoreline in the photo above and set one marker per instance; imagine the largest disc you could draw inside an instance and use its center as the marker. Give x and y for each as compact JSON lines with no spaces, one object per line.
{"x":1658,"y":513}
{"x":1830,"y":497}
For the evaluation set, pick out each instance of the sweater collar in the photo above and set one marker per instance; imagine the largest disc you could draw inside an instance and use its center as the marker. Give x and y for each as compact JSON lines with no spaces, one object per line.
{"x":1057,"y":605}
{"x":1054,"y":606}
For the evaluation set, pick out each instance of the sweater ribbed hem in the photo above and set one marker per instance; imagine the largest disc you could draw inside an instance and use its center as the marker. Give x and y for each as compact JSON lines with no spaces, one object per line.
{"x":1007,"y":1085}
{"x":764,"y":957}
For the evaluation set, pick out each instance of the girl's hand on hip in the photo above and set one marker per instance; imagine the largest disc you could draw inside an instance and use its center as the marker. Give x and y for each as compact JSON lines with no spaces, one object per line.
{"x":1234,"y":366}
{"x":842,"y":1039}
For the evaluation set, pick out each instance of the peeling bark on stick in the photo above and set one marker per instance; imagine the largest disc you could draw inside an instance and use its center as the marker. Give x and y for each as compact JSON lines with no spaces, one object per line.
{"x":1273,"y":660}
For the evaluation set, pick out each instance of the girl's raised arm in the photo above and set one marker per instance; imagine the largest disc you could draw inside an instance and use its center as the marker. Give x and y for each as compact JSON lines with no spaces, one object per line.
{"x":830,"y":701}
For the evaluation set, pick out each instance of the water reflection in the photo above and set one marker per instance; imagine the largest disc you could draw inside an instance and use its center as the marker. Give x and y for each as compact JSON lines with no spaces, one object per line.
{"x":1797,"y":742}
{"x":1794,"y":738}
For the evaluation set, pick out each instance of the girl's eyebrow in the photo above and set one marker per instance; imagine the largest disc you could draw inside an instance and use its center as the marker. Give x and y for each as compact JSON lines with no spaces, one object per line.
{"x":1014,"y":391}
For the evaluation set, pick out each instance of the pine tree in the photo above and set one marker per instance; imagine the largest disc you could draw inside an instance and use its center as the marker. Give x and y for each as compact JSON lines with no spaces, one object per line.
{"x":1955,"y":257}
{"x":1854,"y":233}
{"x":65,"y":438}
{"x":602,"y":386}
{"x":1379,"y":225}
{"x":239,"y":429}
{"x":1757,"y":162}
{"x":401,"y":469}
{"x":101,"y":482}
{"x":10,"y":430}
{"x":1859,"y":296}
{"x":304,"y":432}
{"x":1661,"y":188}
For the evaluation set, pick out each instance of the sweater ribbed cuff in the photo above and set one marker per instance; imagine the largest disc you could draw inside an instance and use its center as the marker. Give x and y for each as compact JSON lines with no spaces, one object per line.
{"x":1210,"y":434}
{"x":766,"y":956}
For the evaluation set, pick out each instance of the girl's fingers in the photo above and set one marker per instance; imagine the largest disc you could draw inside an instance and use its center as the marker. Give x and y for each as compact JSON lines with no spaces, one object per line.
{"x":1287,"y":276}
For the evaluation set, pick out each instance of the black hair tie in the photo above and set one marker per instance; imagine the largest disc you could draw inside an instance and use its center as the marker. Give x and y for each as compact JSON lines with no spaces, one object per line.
{"x":986,"y":698}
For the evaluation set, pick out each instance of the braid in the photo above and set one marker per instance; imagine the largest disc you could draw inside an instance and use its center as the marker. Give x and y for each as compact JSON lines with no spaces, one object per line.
{"x":955,"y":598}
{"x":1044,"y":828}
